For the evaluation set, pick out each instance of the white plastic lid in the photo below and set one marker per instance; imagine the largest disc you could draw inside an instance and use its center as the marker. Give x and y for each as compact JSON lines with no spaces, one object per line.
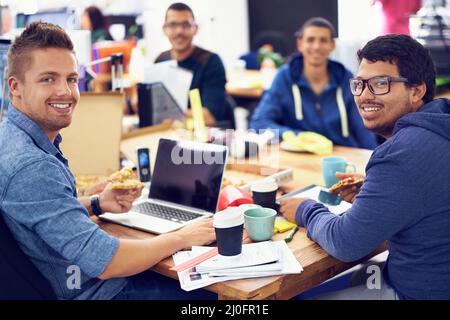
{"x":247,"y":206}
{"x":266,"y":185}
{"x":230,"y":217}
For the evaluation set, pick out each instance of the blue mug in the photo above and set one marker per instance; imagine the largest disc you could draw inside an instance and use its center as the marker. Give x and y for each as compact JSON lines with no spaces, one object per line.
{"x":331,"y":165}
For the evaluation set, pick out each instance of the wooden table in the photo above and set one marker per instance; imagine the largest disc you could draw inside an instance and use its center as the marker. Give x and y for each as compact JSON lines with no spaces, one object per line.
{"x":445,"y":94}
{"x":244,"y":84}
{"x":317,"y":264}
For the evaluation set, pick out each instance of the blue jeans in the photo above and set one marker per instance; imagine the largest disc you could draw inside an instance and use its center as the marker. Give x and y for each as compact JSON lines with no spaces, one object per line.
{"x":150,"y":285}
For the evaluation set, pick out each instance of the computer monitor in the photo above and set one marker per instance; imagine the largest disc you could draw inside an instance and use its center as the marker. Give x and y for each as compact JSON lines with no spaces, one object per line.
{"x":132,"y":28}
{"x":156,"y":104}
{"x":4,"y":47}
{"x":65,"y":18}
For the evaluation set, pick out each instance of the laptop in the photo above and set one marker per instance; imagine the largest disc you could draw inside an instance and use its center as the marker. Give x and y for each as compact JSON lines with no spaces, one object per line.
{"x":185,"y":187}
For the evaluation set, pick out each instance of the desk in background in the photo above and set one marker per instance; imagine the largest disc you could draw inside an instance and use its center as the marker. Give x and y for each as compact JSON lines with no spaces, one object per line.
{"x":445,"y":94}
{"x":244,"y":84}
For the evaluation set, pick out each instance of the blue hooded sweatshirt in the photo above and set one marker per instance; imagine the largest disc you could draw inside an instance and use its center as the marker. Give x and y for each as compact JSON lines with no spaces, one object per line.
{"x":290,"y":104}
{"x":405,"y":199}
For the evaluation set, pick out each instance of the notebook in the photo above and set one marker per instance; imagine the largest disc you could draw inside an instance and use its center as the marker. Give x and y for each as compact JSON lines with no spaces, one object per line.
{"x":185,"y":187}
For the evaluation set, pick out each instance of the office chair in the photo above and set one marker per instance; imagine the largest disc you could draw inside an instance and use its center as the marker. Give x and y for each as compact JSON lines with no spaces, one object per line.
{"x":19,"y":278}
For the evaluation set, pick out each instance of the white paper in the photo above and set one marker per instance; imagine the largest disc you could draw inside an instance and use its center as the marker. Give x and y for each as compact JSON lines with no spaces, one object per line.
{"x":252,"y":254}
{"x":313,"y":193}
{"x":190,"y":279}
{"x":263,"y":268}
{"x":177,"y":80}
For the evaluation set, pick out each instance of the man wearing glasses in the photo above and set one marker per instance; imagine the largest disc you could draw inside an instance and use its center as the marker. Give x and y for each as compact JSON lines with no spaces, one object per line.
{"x":405,"y":196}
{"x":207,"y":67}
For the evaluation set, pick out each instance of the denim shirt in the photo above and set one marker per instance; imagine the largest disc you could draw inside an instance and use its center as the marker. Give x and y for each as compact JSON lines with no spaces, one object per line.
{"x":38,"y":201}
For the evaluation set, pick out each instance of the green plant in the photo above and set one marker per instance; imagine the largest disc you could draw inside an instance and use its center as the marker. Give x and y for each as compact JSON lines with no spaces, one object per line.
{"x":267,"y":52}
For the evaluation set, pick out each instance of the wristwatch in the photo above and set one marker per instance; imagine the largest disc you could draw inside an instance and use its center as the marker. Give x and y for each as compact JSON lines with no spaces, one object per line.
{"x":95,"y":205}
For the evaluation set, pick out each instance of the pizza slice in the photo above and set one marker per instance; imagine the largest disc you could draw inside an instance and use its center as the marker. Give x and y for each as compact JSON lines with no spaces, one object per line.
{"x":128,"y":184}
{"x":350,"y":181}
{"x":124,"y":179}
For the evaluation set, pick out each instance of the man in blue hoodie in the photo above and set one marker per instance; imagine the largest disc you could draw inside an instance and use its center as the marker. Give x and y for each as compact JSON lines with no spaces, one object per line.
{"x":405,"y":196}
{"x":312,"y":93}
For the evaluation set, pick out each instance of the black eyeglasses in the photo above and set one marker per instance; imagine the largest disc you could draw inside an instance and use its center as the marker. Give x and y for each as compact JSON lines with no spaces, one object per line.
{"x":185,"y":25}
{"x":377,"y":85}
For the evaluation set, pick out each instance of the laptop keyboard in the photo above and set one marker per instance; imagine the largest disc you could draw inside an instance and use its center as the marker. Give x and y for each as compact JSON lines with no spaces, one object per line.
{"x":163,"y":212}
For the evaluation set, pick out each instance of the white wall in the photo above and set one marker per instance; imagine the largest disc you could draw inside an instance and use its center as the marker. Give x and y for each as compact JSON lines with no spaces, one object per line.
{"x":358,"y":19}
{"x":359,"y":22}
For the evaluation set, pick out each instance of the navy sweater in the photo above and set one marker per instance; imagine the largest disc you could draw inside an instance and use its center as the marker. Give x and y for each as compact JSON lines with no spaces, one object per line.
{"x":405,"y":199}
{"x":209,"y":77}
{"x":277,"y":108}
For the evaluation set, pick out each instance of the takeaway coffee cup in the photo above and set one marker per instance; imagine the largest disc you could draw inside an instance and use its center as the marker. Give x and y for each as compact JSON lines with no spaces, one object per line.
{"x":248,"y":206}
{"x":264,"y":193}
{"x":229,"y":227}
{"x":331,"y":165}
{"x":259,"y":223}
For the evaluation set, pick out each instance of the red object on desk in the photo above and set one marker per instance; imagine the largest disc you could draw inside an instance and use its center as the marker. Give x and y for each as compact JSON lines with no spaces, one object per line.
{"x":231,"y":196}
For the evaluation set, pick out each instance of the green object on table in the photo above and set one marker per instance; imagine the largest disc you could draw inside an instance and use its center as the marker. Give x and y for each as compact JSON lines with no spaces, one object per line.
{"x":441,"y":81}
{"x":291,"y":234}
{"x":268,"y":53}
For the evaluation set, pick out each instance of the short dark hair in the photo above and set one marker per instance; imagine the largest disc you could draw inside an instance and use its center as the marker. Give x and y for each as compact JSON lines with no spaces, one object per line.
{"x":37,"y":35}
{"x":98,"y":20}
{"x":413,"y":61}
{"x":316,"y":22}
{"x":180,"y":6}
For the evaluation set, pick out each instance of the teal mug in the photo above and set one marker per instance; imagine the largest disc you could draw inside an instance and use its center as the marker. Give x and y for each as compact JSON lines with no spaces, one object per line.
{"x":259,"y":223}
{"x":331,"y":165}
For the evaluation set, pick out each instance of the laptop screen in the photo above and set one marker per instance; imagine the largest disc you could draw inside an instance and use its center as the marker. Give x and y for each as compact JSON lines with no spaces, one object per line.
{"x":188,"y":173}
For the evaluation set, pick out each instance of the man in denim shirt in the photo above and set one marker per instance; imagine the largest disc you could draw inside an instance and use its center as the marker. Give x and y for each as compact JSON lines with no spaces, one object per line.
{"x":38,"y":198}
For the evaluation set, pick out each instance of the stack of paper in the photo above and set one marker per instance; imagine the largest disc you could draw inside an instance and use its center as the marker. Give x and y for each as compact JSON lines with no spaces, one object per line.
{"x":253,"y":255}
{"x":260,"y":259}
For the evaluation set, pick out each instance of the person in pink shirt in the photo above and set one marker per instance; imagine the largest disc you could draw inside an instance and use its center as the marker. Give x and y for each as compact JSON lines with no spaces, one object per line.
{"x":396,"y":15}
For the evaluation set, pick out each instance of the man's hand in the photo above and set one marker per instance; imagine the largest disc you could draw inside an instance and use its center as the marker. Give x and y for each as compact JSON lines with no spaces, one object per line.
{"x":288,"y":207}
{"x":349,"y":193}
{"x":209,"y":118}
{"x":198,"y":233}
{"x":94,"y":189}
{"x":117,"y":200}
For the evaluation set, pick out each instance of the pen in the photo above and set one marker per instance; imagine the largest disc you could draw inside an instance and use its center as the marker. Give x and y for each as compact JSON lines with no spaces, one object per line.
{"x":291,"y":234}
